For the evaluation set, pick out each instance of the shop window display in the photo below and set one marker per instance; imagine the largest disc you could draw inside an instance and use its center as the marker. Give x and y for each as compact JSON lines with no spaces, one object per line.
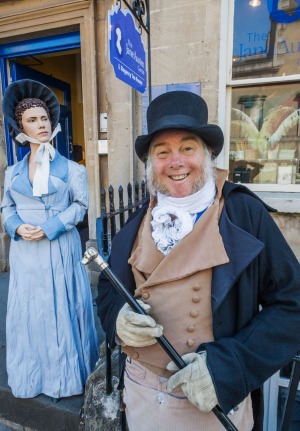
{"x":265,"y":135}
{"x":265,"y":126}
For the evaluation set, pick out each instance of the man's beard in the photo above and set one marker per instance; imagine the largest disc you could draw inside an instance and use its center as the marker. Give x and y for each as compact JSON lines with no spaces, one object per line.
{"x":155,"y":184}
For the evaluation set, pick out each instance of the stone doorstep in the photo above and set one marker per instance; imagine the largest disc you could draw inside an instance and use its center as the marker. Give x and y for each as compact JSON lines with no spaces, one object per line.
{"x":11,"y":426}
{"x":94,"y":411}
{"x":40,"y":413}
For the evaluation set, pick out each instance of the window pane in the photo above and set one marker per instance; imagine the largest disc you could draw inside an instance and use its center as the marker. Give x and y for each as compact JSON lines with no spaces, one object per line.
{"x":266,"y":38}
{"x":286,"y":372}
{"x":265,"y":134}
{"x":294,"y":424}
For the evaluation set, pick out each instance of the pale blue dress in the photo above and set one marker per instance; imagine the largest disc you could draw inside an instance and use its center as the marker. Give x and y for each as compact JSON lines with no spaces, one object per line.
{"x":52,"y":344}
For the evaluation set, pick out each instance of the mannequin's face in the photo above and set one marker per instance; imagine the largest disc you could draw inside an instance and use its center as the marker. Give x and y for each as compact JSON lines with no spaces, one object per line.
{"x":36,"y":124}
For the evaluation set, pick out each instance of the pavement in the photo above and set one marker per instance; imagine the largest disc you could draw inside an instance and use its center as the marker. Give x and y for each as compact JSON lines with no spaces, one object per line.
{"x":39,"y":413}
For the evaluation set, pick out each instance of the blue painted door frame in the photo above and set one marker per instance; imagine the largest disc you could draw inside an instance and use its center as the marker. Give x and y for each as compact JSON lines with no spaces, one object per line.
{"x":63,"y":141}
{"x":32,"y":47}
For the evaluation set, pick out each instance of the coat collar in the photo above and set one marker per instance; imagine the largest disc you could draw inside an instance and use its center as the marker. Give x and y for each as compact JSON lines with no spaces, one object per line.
{"x":20,"y":177}
{"x":202,"y":249}
{"x":241,"y":248}
{"x":229,"y":187}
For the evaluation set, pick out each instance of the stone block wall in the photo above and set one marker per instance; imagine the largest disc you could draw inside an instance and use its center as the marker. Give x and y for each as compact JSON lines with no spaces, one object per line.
{"x":289,"y":224}
{"x":4,"y":238}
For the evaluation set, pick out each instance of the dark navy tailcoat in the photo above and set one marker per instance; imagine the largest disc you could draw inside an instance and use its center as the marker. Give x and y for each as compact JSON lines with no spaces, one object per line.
{"x":255,"y":298}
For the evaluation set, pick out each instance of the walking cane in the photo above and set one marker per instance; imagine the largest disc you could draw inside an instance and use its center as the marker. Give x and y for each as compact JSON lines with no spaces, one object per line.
{"x":92,"y":254}
{"x":291,"y":395}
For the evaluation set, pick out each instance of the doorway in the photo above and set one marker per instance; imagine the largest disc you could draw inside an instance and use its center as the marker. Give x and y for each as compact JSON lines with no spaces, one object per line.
{"x":56,"y":62}
{"x":63,"y":142}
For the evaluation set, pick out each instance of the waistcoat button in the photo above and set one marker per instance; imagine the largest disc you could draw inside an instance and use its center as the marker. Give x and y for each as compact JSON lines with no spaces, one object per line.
{"x":194,"y":313}
{"x":195,"y":299}
{"x":145,"y":295}
{"x":191,"y":328}
{"x":160,"y":397}
{"x":135,"y":355}
{"x":190,"y":342}
{"x":196,"y":288}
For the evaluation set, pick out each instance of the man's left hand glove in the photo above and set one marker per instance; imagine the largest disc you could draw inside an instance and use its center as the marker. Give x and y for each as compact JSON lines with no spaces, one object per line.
{"x":195,"y":381}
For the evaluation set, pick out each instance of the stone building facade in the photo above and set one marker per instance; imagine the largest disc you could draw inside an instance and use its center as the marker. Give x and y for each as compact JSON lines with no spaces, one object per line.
{"x":240,"y":55}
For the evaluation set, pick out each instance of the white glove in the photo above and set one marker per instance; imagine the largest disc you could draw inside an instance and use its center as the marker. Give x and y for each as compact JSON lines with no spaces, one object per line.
{"x":135,"y":329}
{"x":195,"y":381}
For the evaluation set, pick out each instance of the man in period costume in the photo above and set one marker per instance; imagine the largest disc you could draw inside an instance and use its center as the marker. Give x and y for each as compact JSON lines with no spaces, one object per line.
{"x":213,"y":272}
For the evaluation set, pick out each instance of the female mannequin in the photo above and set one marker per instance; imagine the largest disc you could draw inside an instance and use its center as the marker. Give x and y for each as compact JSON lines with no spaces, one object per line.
{"x":52,"y":344}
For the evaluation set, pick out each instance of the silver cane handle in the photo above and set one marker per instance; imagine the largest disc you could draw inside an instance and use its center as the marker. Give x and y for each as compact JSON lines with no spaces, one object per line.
{"x":92,"y":255}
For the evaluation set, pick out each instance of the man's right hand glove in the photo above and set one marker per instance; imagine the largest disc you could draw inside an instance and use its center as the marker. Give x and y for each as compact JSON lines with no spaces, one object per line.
{"x":195,"y":381}
{"x":135,"y":329}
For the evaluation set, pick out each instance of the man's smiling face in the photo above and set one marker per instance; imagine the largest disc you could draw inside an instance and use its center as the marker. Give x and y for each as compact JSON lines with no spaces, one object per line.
{"x":178,"y":160}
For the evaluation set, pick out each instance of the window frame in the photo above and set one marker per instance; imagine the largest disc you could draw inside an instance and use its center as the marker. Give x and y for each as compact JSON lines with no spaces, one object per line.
{"x":285,"y":198}
{"x":239,"y":83}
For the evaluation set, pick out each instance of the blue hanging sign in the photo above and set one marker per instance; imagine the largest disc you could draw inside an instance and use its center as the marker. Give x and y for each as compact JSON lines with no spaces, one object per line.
{"x":282,"y":16}
{"x":126,"y":49}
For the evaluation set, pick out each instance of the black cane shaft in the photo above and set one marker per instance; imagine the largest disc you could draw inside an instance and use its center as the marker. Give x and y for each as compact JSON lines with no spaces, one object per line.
{"x":168,"y":348}
{"x":291,"y":395}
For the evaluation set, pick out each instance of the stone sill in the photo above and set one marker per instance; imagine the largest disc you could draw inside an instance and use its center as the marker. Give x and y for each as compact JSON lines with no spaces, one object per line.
{"x":282,"y":202}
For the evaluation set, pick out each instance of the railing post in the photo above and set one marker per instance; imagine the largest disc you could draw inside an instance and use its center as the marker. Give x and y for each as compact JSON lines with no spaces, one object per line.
{"x":112,"y":211}
{"x":121,"y":207}
{"x":136,"y":195}
{"x":108,"y":353}
{"x":129,"y":194}
{"x":143,"y":187}
{"x":104,"y":222}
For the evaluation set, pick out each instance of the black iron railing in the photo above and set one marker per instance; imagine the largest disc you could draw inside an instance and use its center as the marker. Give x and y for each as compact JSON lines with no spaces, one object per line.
{"x":106,"y":227}
{"x":114,"y":219}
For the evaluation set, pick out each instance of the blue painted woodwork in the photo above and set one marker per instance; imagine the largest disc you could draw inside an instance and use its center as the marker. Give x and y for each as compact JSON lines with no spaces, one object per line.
{"x":36,"y":46}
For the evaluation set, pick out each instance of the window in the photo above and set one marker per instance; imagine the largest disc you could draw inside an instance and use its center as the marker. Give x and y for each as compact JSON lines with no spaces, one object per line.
{"x":265,"y":94}
{"x":265,"y":134}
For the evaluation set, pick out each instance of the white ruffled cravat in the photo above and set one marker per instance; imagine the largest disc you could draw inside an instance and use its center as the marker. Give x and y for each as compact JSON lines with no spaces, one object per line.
{"x":174,"y":218}
{"x":42,"y":158}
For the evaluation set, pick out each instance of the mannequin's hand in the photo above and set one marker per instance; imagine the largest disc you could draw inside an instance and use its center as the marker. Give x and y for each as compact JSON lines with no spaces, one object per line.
{"x":135,"y":329}
{"x":195,"y":381}
{"x":30,"y":233}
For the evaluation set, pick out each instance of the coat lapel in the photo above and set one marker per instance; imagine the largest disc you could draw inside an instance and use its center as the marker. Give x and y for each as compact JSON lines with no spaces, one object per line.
{"x":59,"y":167}
{"x":241,"y":248}
{"x":203,"y":248}
{"x":123,"y":242}
{"x":20,"y":176}
{"x":20,"y":179}
{"x":145,"y":256}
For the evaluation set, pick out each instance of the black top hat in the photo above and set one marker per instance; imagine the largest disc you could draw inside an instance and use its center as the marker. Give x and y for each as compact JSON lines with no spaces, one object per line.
{"x":23,"y":89}
{"x":180,"y":110}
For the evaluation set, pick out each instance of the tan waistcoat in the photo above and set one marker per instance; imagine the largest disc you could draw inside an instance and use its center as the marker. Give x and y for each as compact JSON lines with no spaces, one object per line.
{"x":178,"y":286}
